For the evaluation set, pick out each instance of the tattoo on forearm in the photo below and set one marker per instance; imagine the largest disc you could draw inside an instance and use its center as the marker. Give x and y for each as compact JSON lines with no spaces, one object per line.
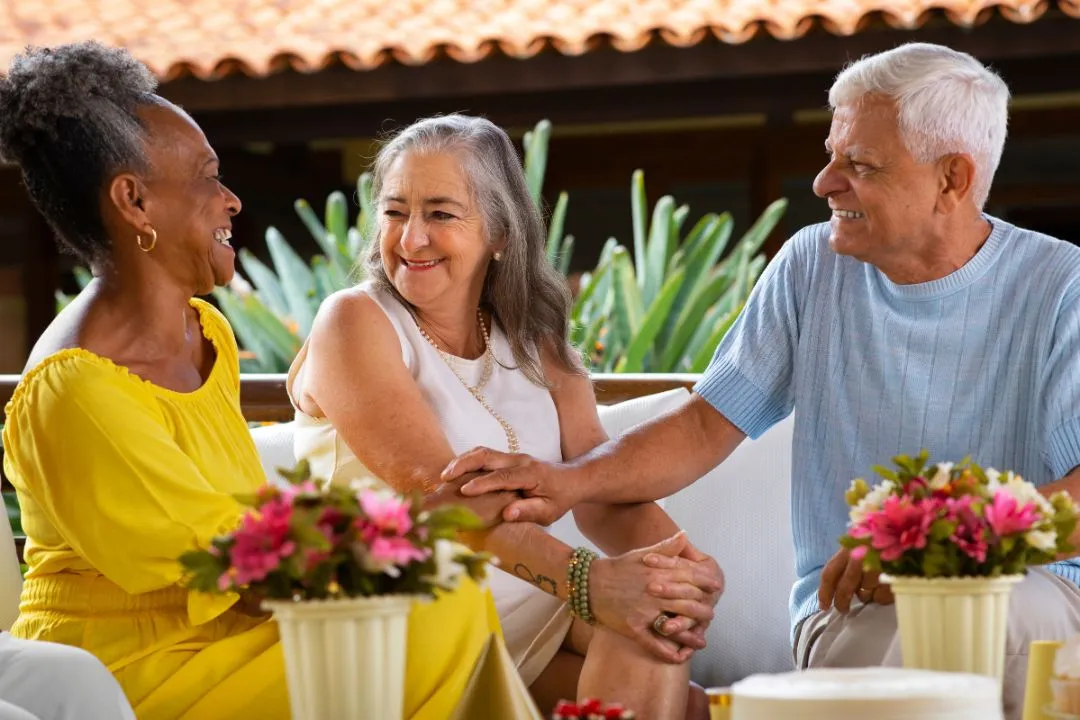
{"x":541,"y":581}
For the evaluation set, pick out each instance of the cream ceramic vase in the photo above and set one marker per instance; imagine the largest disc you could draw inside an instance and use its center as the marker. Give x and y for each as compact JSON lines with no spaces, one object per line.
{"x":344,"y":658}
{"x":953,"y":624}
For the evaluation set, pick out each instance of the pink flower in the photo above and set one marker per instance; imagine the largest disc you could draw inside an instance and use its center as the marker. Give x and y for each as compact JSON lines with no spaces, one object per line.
{"x":970,"y":533}
{"x":261,"y":542}
{"x":308,"y":487}
{"x":387,"y":554}
{"x":328,"y":520}
{"x":387,"y":513}
{"x":900,"y":525}
{"x":1007,"y":517}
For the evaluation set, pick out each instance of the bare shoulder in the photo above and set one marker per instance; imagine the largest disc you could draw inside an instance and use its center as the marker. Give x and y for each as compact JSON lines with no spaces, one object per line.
{"x":82,"y":324}
{"x":350,"y":316}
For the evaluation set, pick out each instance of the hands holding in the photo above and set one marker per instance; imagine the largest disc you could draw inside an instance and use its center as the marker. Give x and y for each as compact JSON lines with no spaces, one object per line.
{"x":844,"y":578}
{"x":488,"y":507}
{"x":661,"y":596}
{"x":544,"y":491}
{"x":673,"y":580}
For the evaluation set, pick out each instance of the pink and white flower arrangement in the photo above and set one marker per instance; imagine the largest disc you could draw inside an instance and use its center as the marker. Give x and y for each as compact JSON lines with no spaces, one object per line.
{"x":954,"y":520}
{"x":314,"y":540}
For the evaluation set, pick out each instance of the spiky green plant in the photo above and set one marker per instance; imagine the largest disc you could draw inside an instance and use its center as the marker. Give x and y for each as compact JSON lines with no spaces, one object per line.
{"x":668,"y":308}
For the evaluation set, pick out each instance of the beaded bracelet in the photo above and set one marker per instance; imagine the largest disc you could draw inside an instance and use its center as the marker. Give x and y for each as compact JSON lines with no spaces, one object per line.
{"x":577,"y":583}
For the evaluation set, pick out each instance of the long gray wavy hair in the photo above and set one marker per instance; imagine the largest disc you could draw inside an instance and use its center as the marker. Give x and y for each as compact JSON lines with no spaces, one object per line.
{"x":528,"y":298}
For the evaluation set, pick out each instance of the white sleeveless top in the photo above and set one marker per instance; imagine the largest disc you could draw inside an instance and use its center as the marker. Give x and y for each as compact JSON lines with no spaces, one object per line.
{"x":534,"y":623}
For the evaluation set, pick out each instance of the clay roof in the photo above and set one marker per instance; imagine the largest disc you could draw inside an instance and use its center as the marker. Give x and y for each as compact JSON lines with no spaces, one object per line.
{"x":213,"y":38}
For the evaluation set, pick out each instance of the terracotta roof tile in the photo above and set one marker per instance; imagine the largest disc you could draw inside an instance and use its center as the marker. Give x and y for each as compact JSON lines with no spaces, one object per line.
{"x":212,"y":38}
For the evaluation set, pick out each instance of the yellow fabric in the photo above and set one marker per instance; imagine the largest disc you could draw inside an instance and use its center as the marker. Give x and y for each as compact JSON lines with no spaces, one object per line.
{"x":116,"y":478}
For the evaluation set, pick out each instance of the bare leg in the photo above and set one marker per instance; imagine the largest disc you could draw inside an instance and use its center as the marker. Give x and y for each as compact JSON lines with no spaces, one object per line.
{"x":558,"y":681}
{"x":617,"y":669}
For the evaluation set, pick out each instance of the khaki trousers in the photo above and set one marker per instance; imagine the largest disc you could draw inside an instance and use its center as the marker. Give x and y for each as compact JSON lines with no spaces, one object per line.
{"x":1042,"y":607}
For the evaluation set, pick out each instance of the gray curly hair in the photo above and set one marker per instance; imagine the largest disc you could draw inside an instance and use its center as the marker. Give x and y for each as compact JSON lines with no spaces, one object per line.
{"x":528,"y":297}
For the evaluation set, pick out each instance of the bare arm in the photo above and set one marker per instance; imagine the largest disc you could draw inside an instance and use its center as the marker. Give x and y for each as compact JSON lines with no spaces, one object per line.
{"x":659,"y":458}
{"x":614,"y":528}
{"x":653,"y":461}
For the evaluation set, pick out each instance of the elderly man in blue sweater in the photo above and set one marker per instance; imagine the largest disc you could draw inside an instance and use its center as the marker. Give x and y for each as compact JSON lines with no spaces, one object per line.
{"x":910,"y":320}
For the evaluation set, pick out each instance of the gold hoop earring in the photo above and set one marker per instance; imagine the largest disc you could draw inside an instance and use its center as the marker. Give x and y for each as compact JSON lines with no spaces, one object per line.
{"x":497,"y":256}
{"x":153,"y":241}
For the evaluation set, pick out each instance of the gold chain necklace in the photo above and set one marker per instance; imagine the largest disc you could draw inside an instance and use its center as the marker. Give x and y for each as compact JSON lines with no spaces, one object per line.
{"x":485,"y":375}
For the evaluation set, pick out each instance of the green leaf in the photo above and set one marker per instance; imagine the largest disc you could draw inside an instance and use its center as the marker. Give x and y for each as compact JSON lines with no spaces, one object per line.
{"x":357,"y":247}
{"x":536,"y":151}
{"x":629,"y":310}
{"x":247,"y":332}
{"x":754,"y":238}
{"x":337,"y":220}
{"x":270,"y":336}
{"x":264,"y":280}
{"x":690,"y":320}
{"x":706,"y":243}
{"x":660,"y":240}
{"x":366,"y":218}
{"x":314,"y":225}
{"x":555,"y":229}
{"x":600,"y":300}
{"x":886,"y":473}
{"x":701,"y":360}
{"x":297,"y":280}
{"x":642,"y":342}
{"x":326,"y":281}
{"x":637,"y":216}
{"x":566,"y":254}
{"x":588,"y":287}
{"x":456,"y":517}
{"x":14,"y":513}
{"x":678,"y":219}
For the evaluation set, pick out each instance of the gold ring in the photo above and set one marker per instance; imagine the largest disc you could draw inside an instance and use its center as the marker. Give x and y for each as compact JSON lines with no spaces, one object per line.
{"x":658,"y":624}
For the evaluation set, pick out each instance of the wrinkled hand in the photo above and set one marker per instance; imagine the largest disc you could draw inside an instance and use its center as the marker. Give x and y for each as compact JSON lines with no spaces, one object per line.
{"x":683,"y":630}
{"x":488,"y":507}
{"x":546,"y":490}
{"x":621,"y":600}
{"x":843,"y":578}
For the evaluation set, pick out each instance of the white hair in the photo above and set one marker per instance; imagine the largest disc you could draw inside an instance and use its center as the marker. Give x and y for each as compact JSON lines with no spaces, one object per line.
{"x":946,"y":101}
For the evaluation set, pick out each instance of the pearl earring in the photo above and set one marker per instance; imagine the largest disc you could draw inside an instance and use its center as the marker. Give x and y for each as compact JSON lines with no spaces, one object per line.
{"x":497,"y":256}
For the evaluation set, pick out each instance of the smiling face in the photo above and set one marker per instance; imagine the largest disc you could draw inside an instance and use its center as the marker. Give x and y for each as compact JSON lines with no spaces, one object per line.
{"x":432,"y":239}
{"x":186,"y":202}
{"x":884,"y":203}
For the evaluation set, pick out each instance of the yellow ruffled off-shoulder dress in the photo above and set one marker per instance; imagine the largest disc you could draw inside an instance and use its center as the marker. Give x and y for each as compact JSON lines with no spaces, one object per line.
{"x":116,"y":478}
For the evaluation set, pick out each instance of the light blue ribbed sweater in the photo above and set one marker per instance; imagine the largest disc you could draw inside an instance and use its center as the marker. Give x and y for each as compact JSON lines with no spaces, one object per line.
{"x":985,"y":361}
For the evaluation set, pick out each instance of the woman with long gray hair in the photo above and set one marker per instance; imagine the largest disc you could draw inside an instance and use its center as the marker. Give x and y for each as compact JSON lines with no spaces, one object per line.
{"x":459,"y":339}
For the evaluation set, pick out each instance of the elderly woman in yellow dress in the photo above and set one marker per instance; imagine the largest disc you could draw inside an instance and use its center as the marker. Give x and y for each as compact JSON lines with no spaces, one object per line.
{"x":124,"y":439}
{"x":459,"y":339}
